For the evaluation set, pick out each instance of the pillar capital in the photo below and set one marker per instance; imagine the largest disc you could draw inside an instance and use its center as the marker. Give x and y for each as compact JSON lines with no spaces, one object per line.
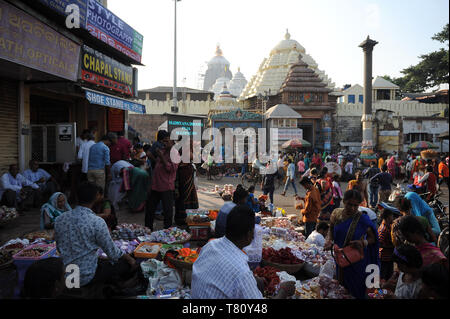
{"x":368,"y":44}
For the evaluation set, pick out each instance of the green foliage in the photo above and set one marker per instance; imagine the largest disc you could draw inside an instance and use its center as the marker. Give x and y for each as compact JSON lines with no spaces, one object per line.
{"x":431,"y":71}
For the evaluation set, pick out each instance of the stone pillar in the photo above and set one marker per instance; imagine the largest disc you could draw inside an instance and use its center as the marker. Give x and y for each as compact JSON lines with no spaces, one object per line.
{"x":367,"y":154}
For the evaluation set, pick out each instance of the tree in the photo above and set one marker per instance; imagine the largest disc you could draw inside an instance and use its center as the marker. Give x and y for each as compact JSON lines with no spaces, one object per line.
{"x":430,"y":72}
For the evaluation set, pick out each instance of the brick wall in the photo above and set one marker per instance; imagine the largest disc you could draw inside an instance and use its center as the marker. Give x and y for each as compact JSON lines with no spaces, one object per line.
{"x":146,"y":124}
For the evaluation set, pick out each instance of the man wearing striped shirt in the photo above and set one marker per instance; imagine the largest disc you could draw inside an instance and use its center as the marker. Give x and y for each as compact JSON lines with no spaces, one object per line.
{"x":221,"y":270}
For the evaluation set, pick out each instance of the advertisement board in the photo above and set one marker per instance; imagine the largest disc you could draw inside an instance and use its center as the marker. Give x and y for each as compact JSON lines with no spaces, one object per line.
{"x":98,"y":68}
{"x":26,"y":41}
{"x":98,"y":98}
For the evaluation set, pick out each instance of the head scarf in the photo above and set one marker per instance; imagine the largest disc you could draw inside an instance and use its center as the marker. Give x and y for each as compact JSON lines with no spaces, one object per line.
{"x":51,"y":208}
{"x":418,"y":206}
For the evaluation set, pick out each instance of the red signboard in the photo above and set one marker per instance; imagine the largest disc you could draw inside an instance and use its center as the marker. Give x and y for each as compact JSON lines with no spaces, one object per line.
{"x":115,"y":120}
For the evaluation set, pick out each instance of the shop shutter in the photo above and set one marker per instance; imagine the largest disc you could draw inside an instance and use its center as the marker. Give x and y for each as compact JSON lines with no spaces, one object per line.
{"x":9,"y":117}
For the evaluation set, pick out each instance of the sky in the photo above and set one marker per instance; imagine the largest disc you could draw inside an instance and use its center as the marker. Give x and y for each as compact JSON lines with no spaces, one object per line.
{"x":247,"y":30}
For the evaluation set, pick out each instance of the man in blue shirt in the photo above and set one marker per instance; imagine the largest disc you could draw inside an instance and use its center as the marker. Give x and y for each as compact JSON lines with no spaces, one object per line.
{"x":385,"y":181}
{"x":46,"y":182}
{"x":80,"y":233}
{"x":290,"y":178}
{"x":239,"y":198}
{"x":99,"y":160}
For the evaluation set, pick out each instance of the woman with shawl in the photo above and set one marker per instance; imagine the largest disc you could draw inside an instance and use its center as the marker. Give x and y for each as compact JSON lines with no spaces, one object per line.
{"x":56,"y":205}
{"x":362,"y":235}
{"x":420,"y":208}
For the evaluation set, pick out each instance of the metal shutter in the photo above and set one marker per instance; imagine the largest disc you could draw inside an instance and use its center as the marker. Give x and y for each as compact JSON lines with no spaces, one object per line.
{"x":9,"y":117}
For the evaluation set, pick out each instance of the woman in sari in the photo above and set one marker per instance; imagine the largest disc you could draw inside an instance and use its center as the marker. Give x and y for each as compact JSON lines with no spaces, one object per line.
{"x":186,"y":194}
{"x":359,"y":185}
{"x":103,"y":208}
{"x":115,"y":194}
{"x":391,"y":166}
{"x":414,"y":233}
{"x":353,"y":277}
{"x":325,"y":186}
{"x":56,"y":205}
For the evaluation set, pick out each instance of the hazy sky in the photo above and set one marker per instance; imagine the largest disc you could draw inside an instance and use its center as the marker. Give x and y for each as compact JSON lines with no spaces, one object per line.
{"x":247,"y":30}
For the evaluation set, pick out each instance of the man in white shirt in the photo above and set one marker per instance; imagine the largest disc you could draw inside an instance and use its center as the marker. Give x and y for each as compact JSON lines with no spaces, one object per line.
{"x":83,"y":153}
{"x":16,"y":191}
{"x":317,"y":237}
{"x":222,"y":271}
{"x":47,"y":184}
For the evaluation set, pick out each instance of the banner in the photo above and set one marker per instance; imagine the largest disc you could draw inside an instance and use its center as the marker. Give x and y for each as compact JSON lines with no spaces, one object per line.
{"x":104,"y":71}
{"x":26,"y":41}
{"x":60,"y":7}
{"x":285,"y":134}
{"x":110,"y":101}
{"x":103,"y":25}
{"x":106,"y":26}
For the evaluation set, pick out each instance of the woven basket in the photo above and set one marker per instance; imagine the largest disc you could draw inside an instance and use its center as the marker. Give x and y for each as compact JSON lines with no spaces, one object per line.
{"x":290,"y":269}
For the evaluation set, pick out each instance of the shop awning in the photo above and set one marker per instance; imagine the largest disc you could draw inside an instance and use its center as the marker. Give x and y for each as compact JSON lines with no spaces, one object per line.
{"x":99,"y":98}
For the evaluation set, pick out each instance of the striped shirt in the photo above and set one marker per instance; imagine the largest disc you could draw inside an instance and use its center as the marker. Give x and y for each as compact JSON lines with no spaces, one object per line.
{"x":222,"y":272}
{"x":385,"y":239}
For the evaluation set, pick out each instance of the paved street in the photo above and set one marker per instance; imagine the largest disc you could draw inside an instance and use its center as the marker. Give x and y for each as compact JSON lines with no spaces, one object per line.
{"x":30,"y":221}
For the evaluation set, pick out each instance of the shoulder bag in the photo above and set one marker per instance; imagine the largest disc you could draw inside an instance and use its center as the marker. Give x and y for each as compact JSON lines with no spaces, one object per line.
{"x":348,"y":255}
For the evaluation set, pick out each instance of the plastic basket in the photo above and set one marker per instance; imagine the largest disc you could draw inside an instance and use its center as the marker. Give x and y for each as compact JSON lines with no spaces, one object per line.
{"x":138,"y":254}
{"x":290,"y":269}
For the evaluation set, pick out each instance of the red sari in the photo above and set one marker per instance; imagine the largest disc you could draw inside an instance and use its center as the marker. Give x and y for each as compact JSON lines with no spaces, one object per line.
{"x":431,"y":254}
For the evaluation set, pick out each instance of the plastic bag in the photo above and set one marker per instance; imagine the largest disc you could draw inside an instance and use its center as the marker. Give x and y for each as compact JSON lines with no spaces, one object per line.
{"x":165,"y":279}
{"x":150,"y":267}
{"x":328,"y":269}
{"x":254,"y":250}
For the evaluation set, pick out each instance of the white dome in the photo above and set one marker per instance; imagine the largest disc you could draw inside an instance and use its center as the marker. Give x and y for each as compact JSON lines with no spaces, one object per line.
{"x":237,"y":83}
{"x":288,"y":44}
{"x":218,"y":86}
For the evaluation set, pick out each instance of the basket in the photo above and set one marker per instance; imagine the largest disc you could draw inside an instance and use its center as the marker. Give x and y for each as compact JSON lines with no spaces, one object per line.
{"x":46,"y":234}
{"x":146,"y":255}
{"x":179,"y":264}
{"x":290,"y":269}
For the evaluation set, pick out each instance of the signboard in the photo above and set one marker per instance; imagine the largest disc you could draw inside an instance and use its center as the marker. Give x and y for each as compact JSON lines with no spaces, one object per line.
{"x":104,"y":71}
{"x":60,"y":7}
{"x":175,"y":123}
{"x":26,"y":41}
{"x":103,"y":25}
{"x":106,"y":26}
{"x":115,"y":120}
{"x":111,"y":101}
{"x":285,"y":134}
{"x":65,"y":132}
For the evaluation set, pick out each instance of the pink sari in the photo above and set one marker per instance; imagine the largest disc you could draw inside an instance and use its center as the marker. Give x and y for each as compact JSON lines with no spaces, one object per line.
{"x":430,"y":254}
{"x":391,"y":167}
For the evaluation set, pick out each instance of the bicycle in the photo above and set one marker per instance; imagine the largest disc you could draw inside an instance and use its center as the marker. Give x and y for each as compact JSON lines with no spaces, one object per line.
{"x":251,"y":179}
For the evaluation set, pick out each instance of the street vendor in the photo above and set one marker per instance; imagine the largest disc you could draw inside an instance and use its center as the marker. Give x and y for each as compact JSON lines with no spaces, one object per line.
{"x":313,"y":205}
{"x":239,"y":198}
{"x":17,"y":191}
{"x":221,"y":270}
{"x":80,"y":233}
{"x":46,"y":182}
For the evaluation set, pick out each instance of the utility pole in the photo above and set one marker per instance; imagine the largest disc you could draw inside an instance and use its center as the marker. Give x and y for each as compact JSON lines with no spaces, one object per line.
{"x":174,"y":103}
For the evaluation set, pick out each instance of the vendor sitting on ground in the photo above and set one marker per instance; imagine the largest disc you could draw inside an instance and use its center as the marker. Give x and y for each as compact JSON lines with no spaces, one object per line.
{"x":239,"y":198}
{"x":46,"y":182}
{"x":221,"y":270}
{"x":80,"y":233}
{"x":317,"y":237}
{"x":16,"y":191}
{"x":251,"y":200}
{"x":56,"y":205}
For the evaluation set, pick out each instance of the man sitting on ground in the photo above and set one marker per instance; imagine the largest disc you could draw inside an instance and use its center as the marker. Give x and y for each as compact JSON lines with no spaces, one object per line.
{"x":80,"y":233}
{"x":16,"y":191}
{"x":46,"y":182}
{"x":221,"y":270}
{"x":239,"y":198}
{"x":317,"y":237}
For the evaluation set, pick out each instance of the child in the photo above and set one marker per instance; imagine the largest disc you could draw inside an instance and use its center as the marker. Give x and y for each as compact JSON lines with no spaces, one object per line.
{"x":251,"y":200}
{"x":386,"y":245}
{"x":409,"y":282}
{"x":317,"y":237}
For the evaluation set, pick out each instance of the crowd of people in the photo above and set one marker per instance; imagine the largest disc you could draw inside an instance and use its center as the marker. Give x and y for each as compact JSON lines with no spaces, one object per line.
{"x":402,"y":244}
